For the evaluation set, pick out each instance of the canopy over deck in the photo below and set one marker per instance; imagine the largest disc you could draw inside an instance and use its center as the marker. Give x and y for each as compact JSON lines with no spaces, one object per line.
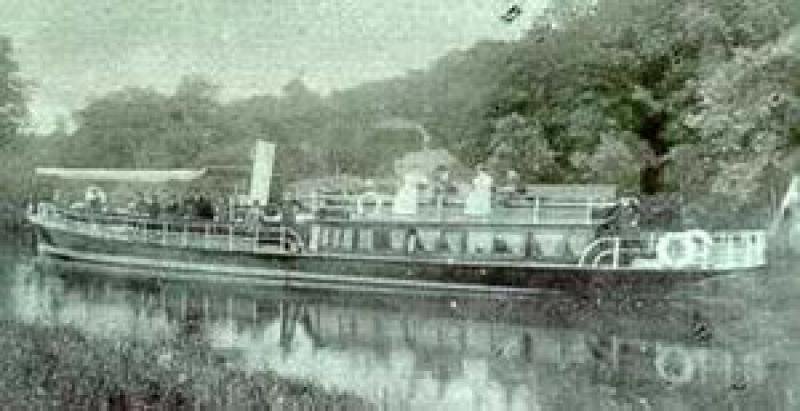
{"x":122,"y":175}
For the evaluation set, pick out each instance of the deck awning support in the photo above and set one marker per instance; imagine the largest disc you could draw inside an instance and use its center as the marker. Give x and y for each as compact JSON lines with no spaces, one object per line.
{"x":121,"y":175}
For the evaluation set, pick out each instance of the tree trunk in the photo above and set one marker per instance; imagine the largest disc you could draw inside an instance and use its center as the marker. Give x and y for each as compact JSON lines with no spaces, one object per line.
{"x":651,"y":177}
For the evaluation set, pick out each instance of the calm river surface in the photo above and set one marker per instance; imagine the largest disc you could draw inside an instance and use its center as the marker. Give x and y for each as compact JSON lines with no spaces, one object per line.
{"x":728,"y":343}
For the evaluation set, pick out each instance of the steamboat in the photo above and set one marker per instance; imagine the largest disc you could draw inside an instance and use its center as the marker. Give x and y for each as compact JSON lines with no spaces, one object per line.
{"x":484,"y":240}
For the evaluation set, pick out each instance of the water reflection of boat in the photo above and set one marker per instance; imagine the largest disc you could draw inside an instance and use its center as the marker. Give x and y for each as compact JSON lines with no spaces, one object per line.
{"x":533,"y":237}
{"x":421,"y":356}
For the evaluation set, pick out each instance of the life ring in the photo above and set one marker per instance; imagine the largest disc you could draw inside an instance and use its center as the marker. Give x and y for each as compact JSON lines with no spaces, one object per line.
{"x":360,"y":203}
{"x":702,"y":242}
{"x":665,"y":259}
{"x":696,"y":244}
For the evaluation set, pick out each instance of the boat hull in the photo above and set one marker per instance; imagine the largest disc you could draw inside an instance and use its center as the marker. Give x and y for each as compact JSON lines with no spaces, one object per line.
{"x":319,"y":270}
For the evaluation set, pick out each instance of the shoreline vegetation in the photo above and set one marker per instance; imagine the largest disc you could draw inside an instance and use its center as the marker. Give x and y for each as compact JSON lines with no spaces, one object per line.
{"x":59,"y":367}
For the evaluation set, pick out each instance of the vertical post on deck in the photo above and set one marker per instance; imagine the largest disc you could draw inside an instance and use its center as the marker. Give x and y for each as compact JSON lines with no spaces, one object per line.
{"x":616,"y":252}
{"x":205,"y":235}
{"x":183,"y":306}
{"x":730,"y":252}
{"x":230,"y":237}
{"x":589,"y":207}
{"x":164,"y":229}
{"x":282,"y":238}
{"x":761,"y":250}
{"x":536,"y":210}
{"x":315,"y":202}
{"x":185,"y":239}
{"x":255,"y":238}
{"x":529,"y":239}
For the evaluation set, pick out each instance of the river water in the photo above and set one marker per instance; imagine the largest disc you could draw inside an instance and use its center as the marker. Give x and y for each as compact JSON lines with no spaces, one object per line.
{"x":725,"y":343}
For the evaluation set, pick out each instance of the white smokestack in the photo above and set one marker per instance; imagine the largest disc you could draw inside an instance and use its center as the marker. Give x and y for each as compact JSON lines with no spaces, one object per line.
{"x":260,"y":178}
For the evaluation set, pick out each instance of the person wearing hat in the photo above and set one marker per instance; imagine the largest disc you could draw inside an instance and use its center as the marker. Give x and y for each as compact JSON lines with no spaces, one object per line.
{"x":95,"y":199}
{"x":479,"y":200}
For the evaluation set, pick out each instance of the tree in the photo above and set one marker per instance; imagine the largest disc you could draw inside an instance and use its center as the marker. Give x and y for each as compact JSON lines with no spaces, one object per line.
{"x":630,"y":69}
{"x":749,"y":117}
{"x":142,"y":128}
{"x":15,"y":148}
{"x":13,"y":98}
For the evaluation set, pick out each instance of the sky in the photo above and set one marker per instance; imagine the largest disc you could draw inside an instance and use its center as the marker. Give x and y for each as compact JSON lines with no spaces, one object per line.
{"x":73,"y":50}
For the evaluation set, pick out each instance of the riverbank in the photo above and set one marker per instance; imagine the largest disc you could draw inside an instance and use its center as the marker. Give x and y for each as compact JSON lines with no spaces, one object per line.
{"x":58,"y":367}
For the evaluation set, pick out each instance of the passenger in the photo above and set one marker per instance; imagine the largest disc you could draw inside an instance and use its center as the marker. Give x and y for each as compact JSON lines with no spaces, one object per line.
{"x":95,"y":199}
{"x":512,"y":183}
{"x":219,"y":211}
{"x":442,"y":185}
{"x":154,"y":208}
{"x":172,"y":208}
{"x":141,"y":207}
{"x":479,"y":200}
{"x":627,"y":222}
{"x":288,"y":212}
{"x":205,"y":210}
{"x":188,"y":206}
{"x":254,"y":214}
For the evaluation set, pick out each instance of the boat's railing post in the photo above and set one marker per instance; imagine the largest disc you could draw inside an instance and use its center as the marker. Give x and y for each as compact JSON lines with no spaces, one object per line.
{"x":747,"y":252}
{"x":729,"y":250}
{"x":255,"y":238}
{"x":315,"y":200}
{"x":757,"y":245}
{"x":164,"y":232}
{"x":205,"y":235}
{"x":536,"y":210}
{"x":185,"y":239}
{"x":282,"y":238}
{"x":755,"y":241}
{"x":762,"y":248}
{"x":615,"y":257}
{"x":230,"y":237}
{"x":589,"y":208}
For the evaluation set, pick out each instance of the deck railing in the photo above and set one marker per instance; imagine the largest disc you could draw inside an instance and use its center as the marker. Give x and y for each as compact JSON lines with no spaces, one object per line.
{"x":176,"y":232}
{"x":719,"y":249}
{"x":535,"y":210}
